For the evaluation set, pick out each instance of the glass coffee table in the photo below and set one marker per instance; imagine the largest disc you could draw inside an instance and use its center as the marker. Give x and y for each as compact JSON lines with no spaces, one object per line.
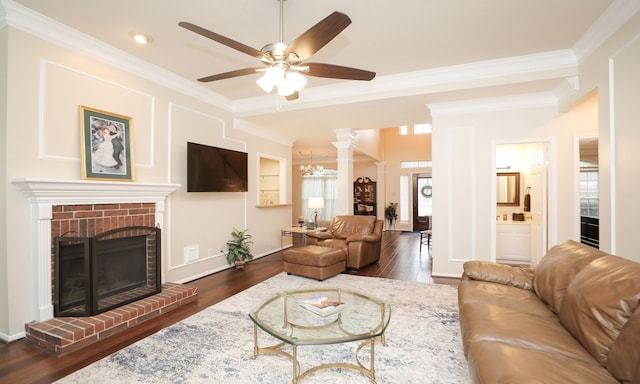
{"x":360,"y":318}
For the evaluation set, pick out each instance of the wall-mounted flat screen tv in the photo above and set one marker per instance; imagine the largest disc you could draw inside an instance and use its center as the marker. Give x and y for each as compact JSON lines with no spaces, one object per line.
{"x":212,"y":169}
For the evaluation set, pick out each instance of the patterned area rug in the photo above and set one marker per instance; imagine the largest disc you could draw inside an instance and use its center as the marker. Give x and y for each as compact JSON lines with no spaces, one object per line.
{"x":216,"y":344}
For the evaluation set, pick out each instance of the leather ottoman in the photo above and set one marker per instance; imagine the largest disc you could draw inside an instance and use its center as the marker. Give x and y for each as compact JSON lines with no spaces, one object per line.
{"x":314,"y":261}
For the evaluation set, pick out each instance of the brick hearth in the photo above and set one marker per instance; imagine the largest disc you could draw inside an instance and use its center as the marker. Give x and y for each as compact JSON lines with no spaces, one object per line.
{"x":63,"y":335}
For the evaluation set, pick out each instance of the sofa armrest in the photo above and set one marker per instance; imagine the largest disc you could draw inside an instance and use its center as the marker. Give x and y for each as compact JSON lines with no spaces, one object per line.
{"x":320,"y":235}
{"x":519,"y":277}
{"x":370,"y":238}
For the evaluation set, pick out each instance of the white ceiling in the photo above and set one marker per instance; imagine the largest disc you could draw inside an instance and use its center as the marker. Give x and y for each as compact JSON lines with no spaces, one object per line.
{"x":423,"y":51}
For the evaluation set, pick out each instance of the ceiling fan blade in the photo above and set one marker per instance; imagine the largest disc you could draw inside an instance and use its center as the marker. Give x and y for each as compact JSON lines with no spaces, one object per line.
{"x":293,"y":96}
{"x":221,"y":39}
{"x":230,"y":74}
{"x":318,"y":36}
{"x":338,"y":72}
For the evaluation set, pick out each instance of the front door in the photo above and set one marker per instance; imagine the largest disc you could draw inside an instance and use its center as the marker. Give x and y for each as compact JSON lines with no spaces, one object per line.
{"x":422,"y":202}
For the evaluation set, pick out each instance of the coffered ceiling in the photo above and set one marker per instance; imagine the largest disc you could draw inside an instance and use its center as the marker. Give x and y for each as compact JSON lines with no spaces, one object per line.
{"x":423,"y":51}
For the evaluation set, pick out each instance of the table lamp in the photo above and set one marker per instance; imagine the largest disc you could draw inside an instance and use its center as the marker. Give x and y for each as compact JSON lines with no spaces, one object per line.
{"x":316,"y":203}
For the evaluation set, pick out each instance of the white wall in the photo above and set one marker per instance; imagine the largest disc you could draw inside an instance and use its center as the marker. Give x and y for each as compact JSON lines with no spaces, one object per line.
{"x":624,"y":138}
{"x":464,"y":170}
{"x":462,"y":163}
{"x":4,"y":283}
{"x":45,"y":87}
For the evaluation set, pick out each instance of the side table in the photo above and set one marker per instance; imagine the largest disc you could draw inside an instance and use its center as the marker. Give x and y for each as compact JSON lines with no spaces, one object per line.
{"x":297,"y":234}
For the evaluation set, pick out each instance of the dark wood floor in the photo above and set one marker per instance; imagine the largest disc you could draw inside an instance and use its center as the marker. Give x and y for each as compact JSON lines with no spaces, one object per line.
{"x":22,"y":363}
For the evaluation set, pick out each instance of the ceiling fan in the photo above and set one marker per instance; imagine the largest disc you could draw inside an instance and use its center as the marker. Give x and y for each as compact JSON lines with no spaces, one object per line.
{"x":284,"y":62}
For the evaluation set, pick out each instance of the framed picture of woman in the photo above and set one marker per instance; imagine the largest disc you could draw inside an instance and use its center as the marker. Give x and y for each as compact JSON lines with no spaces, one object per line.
{"x":106,"y":145}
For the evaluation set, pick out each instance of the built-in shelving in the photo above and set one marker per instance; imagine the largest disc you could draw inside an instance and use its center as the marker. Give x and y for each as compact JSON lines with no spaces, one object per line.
{"x":271,"y":186}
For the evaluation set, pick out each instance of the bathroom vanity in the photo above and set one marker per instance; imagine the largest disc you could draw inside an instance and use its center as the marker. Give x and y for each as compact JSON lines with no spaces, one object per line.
{"x":513,"y":242}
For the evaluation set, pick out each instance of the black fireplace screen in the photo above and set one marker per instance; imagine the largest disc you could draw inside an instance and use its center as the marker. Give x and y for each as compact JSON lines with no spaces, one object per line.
{"x":114,"y":268}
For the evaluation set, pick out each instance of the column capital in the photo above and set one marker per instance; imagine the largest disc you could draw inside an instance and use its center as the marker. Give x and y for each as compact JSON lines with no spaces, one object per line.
{"x":344,"y":145}
{"x":345,"y":134}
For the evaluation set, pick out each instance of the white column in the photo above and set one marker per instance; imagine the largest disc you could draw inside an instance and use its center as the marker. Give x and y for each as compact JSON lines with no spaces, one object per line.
{"x":166,"y":239}
{"x":345,"y":148}
{"x":42,"y":259}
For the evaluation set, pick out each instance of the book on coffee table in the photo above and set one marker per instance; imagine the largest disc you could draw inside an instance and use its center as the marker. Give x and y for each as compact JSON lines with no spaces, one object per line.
{"x":322,"y":305}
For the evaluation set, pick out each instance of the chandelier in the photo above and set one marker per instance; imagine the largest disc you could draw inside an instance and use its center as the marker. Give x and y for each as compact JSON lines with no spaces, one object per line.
{"x":310,"y":169}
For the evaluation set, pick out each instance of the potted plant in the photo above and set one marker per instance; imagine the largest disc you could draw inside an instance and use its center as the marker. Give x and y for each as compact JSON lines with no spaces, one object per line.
{"x":238,"y":248}
{"x":391,"y":213}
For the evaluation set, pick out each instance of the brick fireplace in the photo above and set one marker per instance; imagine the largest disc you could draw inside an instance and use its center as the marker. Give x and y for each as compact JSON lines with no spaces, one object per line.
{"x":89,"y":208}
{"x":76,"y":230}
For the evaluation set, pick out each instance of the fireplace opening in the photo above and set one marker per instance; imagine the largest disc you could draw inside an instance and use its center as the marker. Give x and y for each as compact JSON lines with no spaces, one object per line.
{"x":97,"y":274}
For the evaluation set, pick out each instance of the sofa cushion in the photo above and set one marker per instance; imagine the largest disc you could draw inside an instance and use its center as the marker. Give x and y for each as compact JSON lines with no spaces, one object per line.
{"x":490,"y":322}
{"x":558,"y":268}
{"x":313,"y":255}
{"x":344,"y":226}
{"x":624,"y":357}
{"x":495,"y":362}
{"x":519,"y":277}
{"x":505,"y":296}
{"x":597,"y":306}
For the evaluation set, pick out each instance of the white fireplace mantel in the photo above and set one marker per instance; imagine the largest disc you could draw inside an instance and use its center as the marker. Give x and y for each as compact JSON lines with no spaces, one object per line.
{"x":46,"y":193}
{"x":60,"y":192}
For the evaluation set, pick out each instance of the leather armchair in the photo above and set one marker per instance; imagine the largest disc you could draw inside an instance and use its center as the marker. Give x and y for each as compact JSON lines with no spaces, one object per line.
{"x":358,"y":236}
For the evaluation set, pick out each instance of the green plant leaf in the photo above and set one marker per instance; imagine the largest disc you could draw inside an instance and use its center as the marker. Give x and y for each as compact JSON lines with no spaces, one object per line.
{"x":238,"y":247}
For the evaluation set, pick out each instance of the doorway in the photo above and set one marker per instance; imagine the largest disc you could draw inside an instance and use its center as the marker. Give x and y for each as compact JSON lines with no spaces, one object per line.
{"x":422,"y":201}
{"x":531,"y":160}
{"x":589,"y":192}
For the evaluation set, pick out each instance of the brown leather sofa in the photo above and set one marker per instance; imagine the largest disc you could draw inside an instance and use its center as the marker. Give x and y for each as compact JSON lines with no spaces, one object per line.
{"x":574,"y":319}
{"x":358,"y":236}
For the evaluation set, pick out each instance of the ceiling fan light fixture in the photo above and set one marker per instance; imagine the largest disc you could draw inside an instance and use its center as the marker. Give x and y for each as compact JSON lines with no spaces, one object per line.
{"x":285,"y":62}
{"x":296,"y":80}
{"x":285,"y":88}
{"x":264,"y":83}
{"x":271,"y":78}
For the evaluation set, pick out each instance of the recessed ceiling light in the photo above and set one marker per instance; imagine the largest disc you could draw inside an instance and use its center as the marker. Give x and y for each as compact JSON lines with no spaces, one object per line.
{"x":141,"y":38}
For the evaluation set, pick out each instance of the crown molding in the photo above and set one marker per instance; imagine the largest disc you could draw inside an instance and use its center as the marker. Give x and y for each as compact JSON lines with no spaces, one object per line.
{"x":493,"y":104}
{"x":47,"y":29}
{"x":546,"y":65}
{"x":618,"y":13}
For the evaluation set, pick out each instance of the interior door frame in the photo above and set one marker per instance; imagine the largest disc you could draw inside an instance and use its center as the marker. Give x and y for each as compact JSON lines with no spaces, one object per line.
{"x":549,"y":205}
{"x":577,"y":232}
{"x":417,"y":223}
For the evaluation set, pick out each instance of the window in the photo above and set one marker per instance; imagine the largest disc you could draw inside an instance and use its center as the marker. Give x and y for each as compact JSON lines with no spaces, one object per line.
{"x":589,"y":204}
{"x":324,"y":185}
{"x":415,"y":164}
{"x":425,"y":202}
{"x":420,"y":129}
{"x":404,"y":199}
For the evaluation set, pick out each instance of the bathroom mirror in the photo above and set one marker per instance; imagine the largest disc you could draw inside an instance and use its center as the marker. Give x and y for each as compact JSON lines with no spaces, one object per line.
{"x":508,"y":189}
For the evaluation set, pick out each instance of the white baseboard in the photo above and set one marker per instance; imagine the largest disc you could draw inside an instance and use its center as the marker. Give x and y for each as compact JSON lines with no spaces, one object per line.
{"x":10,"y":338}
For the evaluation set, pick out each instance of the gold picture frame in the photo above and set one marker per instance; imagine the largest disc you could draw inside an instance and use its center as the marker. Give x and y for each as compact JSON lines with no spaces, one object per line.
{"x":106,"y":145}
